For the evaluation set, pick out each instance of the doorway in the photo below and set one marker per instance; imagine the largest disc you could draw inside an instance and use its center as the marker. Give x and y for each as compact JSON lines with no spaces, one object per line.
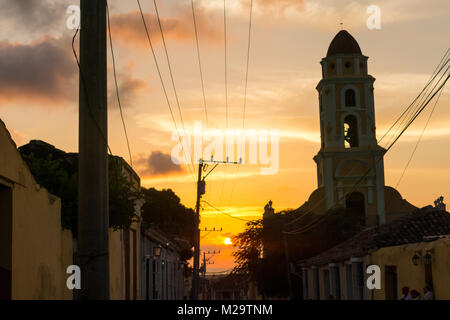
{"x":5,"y":242}
{"x":355,"y":204}
{"x":390,"y":276}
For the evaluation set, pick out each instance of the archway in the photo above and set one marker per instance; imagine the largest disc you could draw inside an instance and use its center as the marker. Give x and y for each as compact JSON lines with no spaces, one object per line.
{"x":355,"y":203}
{"x":351,"y":131}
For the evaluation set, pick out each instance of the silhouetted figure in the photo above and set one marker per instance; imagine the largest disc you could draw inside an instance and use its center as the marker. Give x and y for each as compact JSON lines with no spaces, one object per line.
{"x":415,"y":295}
{"x":428,"y":292}
{"x":405,"y":294}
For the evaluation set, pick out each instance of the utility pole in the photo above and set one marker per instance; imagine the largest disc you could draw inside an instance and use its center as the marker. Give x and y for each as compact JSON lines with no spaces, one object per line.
{"x":208,"y":231}
{"x":204,"y":275}
{"x":93,"y":215}
{"x":204,"y":269}
{"x":200,"y":192}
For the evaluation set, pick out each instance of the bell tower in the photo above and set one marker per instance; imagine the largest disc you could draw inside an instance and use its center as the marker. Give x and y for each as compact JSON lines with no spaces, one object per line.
{"x":350,"y":165}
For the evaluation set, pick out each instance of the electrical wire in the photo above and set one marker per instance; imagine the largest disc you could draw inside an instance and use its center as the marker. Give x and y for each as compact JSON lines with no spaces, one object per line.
{"x":433,"y":76}
{"x":245,"y":97}
{"x":222,"y":212}
{"x":226,"y":88}
{"x":418,"y":141}
{"x":199,"y":62}
{"x":170,"y":68}
{"x":164,"y":87}
{"x":117,"y":87}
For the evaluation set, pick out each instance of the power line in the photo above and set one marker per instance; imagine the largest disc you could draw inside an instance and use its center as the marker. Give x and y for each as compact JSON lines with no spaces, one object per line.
{"x":248,"y":62}
{"x":225,"y":55}
{"x":433,"y":76}
{"x":425,"y":95}
{"x":245,"y":96}
{"x":418,"y":141}
{"x":170,"y":67}
{"x":163,"y":86}
{"x":227,"y":214}
{"x":199,"y":62}
{"x":226,"y":85}
{"x":117,"y":87}
{"x":418,"y":113}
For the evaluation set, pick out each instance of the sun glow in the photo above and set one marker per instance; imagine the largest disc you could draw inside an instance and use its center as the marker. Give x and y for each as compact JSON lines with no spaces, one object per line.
{"x":227,"y":241}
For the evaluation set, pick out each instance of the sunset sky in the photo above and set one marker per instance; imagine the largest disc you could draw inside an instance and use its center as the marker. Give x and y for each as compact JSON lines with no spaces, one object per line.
{"x":39,"y":91}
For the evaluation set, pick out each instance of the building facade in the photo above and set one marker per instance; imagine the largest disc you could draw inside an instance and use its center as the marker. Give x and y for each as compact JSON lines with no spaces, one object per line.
{"x":410,"y":252}
{"x":35,"y":250}
{"x":124,"y":244}
{"x":162,"y":268}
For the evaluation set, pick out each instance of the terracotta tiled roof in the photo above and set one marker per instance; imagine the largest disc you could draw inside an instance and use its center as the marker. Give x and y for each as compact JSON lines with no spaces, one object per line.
{"x":422,"y":225}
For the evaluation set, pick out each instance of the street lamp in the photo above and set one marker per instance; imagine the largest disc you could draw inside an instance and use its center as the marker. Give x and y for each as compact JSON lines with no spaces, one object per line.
{"x":157,"y":250}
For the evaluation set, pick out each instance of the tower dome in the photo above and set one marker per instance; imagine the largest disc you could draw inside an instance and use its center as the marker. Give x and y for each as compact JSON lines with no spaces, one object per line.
{"x":343,"y":43}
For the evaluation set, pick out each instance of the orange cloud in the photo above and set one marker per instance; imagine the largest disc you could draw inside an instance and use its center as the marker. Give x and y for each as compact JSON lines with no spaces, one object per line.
{"x":280,"y":5}
{"x":129,"y":28}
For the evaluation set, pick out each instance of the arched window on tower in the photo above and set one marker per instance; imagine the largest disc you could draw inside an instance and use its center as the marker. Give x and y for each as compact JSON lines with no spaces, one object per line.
{"x":350,"y":131}
{"x":350,"y":99}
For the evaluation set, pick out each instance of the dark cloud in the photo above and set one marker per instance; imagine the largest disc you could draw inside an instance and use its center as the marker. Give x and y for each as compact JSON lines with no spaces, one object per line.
{"x":34,"y":16}
{"x":43,"y":69}
{"x":158,"y":163}
{"x":128,"y":87}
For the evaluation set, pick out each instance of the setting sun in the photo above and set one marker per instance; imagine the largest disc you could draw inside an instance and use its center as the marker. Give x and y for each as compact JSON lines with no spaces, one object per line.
{"x":227,"y":241}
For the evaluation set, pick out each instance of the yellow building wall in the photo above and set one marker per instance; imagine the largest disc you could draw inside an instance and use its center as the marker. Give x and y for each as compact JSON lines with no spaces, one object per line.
{"x":41,"y":249}
{"x":117,"y":265}
{"x":409,"y":275}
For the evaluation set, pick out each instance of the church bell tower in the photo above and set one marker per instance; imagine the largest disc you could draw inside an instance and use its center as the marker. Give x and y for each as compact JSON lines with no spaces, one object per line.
{"x":350,"y":165}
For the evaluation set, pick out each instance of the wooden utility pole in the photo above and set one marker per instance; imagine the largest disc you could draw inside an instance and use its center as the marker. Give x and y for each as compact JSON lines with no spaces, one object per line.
{"x":200,"y":192}
{"x":206,"y":262}
{"x":204,"y":276}
{"x":93,"y":217}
